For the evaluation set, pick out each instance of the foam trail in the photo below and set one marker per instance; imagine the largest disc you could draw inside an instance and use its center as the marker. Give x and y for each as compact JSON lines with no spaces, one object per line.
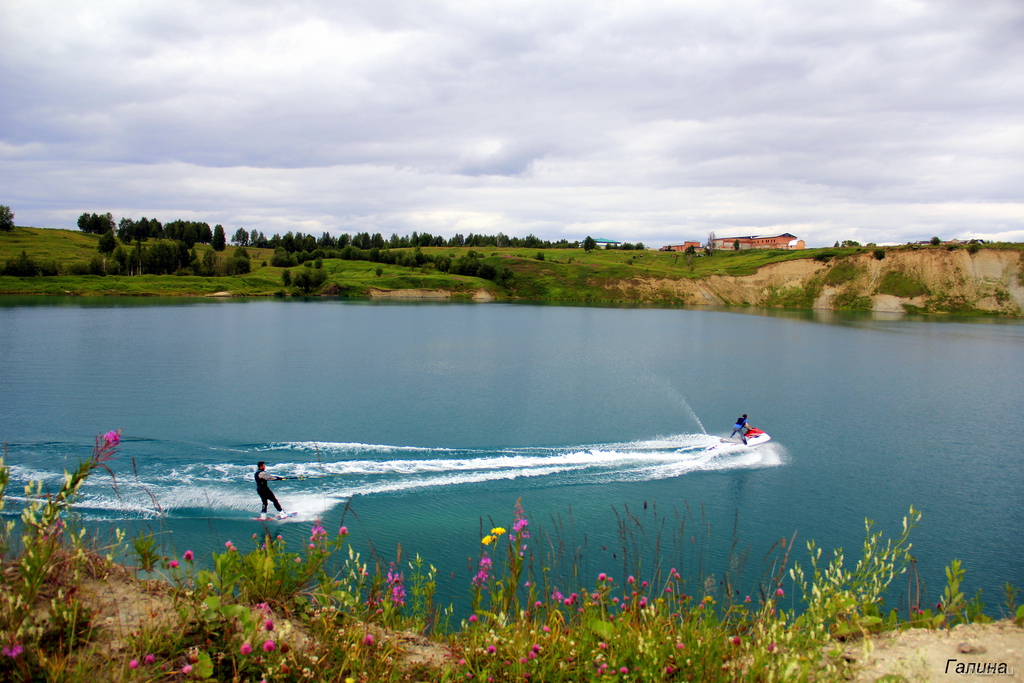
{"x":221,"y":486}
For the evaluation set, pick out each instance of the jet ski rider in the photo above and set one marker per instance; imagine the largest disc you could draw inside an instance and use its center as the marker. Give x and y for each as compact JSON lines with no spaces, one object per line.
{"x":741,"y":426}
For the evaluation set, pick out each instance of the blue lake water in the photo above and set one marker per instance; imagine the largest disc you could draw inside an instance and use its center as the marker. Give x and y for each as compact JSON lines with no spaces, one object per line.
{"x":432,"y":419}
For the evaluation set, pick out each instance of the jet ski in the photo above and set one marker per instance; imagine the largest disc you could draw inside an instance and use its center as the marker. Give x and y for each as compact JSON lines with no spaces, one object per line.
{"x":755,"y":437}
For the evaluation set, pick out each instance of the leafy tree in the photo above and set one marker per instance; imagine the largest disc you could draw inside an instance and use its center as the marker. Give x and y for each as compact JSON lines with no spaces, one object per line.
{"x":308,"y":279}
{"x":219,"y":240}
{"x":108,"y":243}
{"x":96,"y":224}
{"x":936,"y":241}
{"x":126,"y":230}
{"x":240,"y":238}
{"x":589,"y":244}
{"x":736,"y":245}
{"x":6,"y":218}
{"x":709,"y":248}
{"x":22,"y":266}
{"x":691,"y":250}
{"x":379,"y":271}
{"x":240,"y":263}
{"x":286,"y":278}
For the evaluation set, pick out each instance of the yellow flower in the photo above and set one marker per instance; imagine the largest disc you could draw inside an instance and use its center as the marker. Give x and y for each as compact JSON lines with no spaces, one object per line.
{"x":350,"y":680}
{"x":487,"y":540}
{"x":497,"y":531}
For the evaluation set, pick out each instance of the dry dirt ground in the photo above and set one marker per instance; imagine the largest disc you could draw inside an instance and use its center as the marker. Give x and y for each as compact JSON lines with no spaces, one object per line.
{"x":920,"y":655}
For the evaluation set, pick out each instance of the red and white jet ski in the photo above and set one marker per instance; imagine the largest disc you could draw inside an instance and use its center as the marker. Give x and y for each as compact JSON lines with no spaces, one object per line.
{"x":755,"y":437}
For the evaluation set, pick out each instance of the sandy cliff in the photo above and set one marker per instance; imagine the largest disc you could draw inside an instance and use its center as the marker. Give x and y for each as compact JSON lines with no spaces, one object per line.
{"x":924,"y":280}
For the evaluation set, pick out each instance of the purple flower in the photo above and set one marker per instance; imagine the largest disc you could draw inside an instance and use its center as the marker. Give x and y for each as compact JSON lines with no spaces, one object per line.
{"x":395,"y":580}
{"x":484,"y":572}
{"x":246,"y":648}
{"x":173,"y":564}
{"x":189,"y":556}
{"x":269,"y":625}
{"x":134,"y":664}
{"x":187,"y":669}
{"x":368,"y":640}
{"x":112,"y":438}
{"x":343,"y":531}
{"x":149,"y":659}
{"x":780,"y":592}
{"x":13,"y":651}
{"x":269,"y":646}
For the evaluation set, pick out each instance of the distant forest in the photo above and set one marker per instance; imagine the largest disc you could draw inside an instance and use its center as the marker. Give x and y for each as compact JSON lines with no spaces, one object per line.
{"x":122,"y":250}
{"x":129,"y":230}
{"x":175,"y":252}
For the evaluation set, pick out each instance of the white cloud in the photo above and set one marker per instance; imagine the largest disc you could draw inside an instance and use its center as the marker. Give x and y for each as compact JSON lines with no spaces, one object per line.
{"x":653,"y":121}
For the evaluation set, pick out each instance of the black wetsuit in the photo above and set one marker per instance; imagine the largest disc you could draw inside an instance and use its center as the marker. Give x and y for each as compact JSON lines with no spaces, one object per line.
{"x":263,"y":488}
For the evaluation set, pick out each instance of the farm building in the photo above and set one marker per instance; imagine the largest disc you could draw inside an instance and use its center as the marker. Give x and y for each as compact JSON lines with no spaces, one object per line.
{"x":783,"y":241}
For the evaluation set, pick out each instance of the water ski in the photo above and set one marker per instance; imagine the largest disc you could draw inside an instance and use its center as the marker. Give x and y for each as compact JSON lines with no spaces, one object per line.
{"x":275,"y":518}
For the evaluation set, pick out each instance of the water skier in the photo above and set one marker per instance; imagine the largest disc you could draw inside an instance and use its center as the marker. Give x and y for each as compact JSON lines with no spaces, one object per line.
{"x":263,"y":488}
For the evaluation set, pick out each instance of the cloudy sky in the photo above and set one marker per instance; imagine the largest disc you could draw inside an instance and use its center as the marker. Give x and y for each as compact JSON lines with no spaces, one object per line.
{"x":878,"y":121}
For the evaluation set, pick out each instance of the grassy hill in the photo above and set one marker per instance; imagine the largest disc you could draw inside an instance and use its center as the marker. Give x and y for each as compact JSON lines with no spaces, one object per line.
{"x":913,"y":277}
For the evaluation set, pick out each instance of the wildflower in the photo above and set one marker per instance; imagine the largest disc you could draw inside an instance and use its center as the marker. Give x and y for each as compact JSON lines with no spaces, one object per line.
{"x":187,"y":669}
{"x":771,"y":647}
{"x":268,"y":625}
{"x":245,"y":649}
{"x":491,"y":649}
{"x":602,"y":576}
{"x":343,"y":531}
{"x":13,"y":651}
{"x":149,"y":659}
{"x":603,"y":646}
{"x":134,"y":664}
{"x":112,"y":438}
{"x":395,"y":580}
{"x":497,"y":531}
{"x":623,"y":671}
{"x":680,"y":646}
{"x":631,"y":580}
{"x":536,"y":647}
{"x":473,"y":618}
{"x":228,"y":545}
{"x":368,"y":640}
{"x":538,"y":603}
{"x":736,"y":640}
{"x":780,"y":592}
{"x":484,"y":572}
{"x":189,"y":556}
{"x":746,"y":599}
{"x":269,"y":646}
{"x":488,"y":539}
{"x":546,"y":628}
{"x":521,"y":522}
{"x":173,"y":564}
{"x":523,"y":660}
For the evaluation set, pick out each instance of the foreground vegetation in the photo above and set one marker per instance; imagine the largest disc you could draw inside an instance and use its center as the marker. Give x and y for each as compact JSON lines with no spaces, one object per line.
{"x":322,"y":613}
{"x":63,"y":262}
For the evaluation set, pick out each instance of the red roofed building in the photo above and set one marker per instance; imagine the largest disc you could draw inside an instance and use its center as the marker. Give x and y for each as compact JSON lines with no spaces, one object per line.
{"x":781,"y":241}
